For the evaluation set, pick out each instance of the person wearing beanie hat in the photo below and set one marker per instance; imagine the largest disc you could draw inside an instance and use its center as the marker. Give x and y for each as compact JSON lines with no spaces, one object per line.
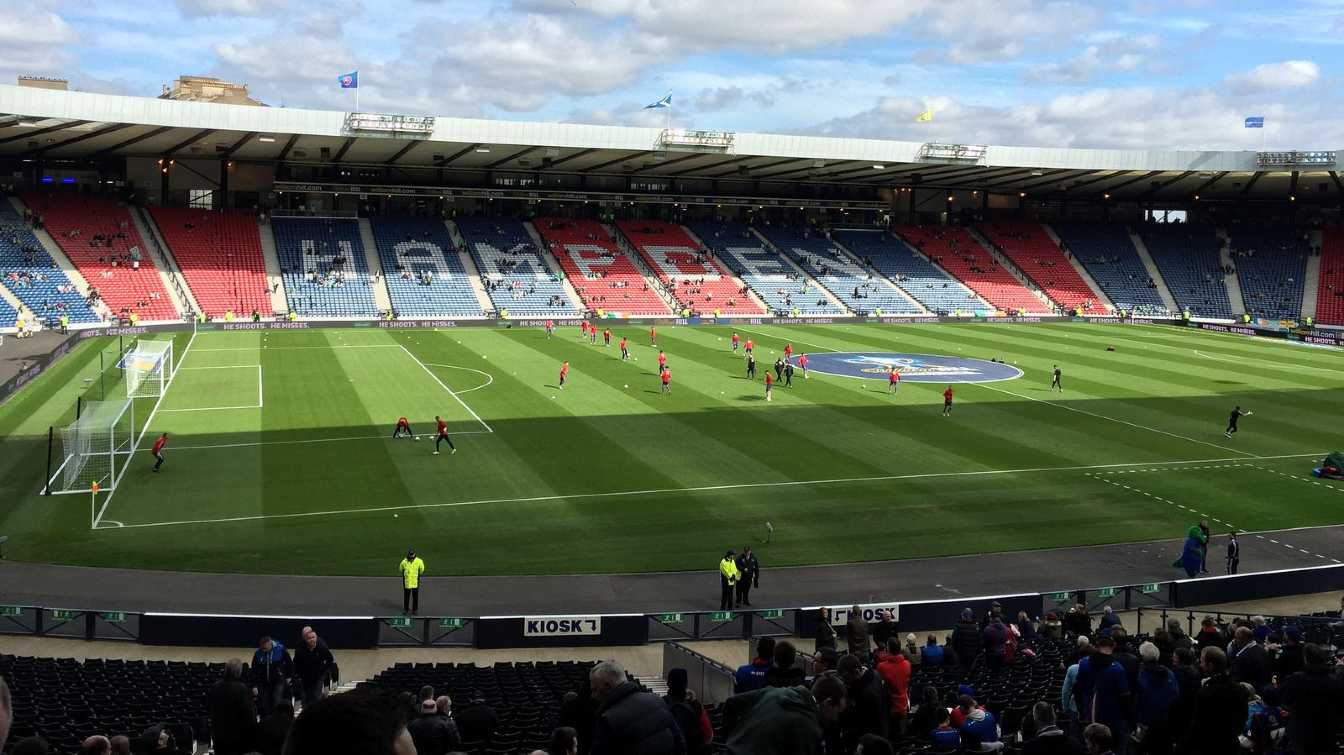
{"x":689,"y":714}
{"x":411,"y":568}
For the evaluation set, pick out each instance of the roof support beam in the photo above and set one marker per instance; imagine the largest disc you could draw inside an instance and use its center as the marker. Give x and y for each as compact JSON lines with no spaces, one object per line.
{"x":133,"y":140}
{"x":199,"y":135}
{"x":608,"y":163}
{"x":767,"y":166}
{"x":238,"y":144}
{"x":511,"y":158}
{"x":453,"y":157}
{"x":1246,"y":190}
{"x":726,"y":173}
{"x":81,"y":137}
{"x":666,"y":163}
{"x":345,"y":147}
{"x":1338,"y":184}
{"x":289,"y":145}
{"x":1154,"y":190}
{"x":1209,"y":183}
{"x":40,"y":132}
{"x":576,"y":155}
{"x":1134,"y":180}
{"x":1051,"y":176}
{"x":1292,"y":185}
{"x":1053,"y":179}
{"x":401,"y":153}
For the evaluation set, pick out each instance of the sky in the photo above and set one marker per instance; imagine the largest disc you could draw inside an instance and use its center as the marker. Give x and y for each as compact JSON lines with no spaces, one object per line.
{"x":1126,"y":74}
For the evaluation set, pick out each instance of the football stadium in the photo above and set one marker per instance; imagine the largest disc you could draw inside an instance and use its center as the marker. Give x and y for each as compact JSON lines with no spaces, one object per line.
{"x":655,"y":439}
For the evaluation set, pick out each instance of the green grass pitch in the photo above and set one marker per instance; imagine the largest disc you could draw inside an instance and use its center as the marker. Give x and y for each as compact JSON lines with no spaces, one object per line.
{"x":281,"y":459}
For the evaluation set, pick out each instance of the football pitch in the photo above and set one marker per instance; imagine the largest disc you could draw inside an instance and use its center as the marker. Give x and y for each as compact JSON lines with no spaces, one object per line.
{"x":281,"y":460}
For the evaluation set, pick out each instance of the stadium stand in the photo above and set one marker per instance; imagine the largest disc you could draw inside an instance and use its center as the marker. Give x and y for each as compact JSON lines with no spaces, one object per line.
{"x":858,"y":288}
{"x":33,"y":277}
{"x":425,"y":274}
{"x":957,"y":252}
{"x":1330,"y":298}
{"x":8,"y":315}
{"x":936,"y":290}
{"x":326,"y":273}
{"x":603,"y":275}
{"x":1037,"y":255}
{"x":695,"y":280}
{"x":1187,"y":257}
{"x":513,"y":270}
{"x":1271,"y":264}
{"x":101,"y":240}
{"x":777,"y":283}
{"x":1110,"y":258}
{"x":220,"y":256}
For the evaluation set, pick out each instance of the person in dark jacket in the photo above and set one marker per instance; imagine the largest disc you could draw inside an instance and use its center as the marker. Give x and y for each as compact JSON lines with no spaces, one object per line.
{"x":313,"y":664}
{"x":1187,"y":685}
{"x":825,"y":632}
{"x":1077,"y":622}
{"x":629,"y":719}
{"x":365,"y":720}
{"x":1289,"y":660}
{"x":965,"y":639}
{"x":1154,"y":697}
{"x":1209,"y":635}
{"x":1250,"y":663}
{"x":1220,"y":710}
{"x":477,"y":722}
{"x":994,"y":639}
{"x":869,"y":711}
{"x":925,"y":719}
{"x":751,"y":676}
{"x":856,"y":632}
{"x":882,"y":630}
{"x":271,"y":670}
{"x":687,"y":712}
{"x":749,"y":567}
{"x":783,"y":720}
{"x":1315,"y":701}
{"x":274,"y":728}
{"x":434,"y":731}
{"x":233,"y":719}
{"x":1049,"y":738}
{"x":578,"y":711}
{"x":784,"y":671}
{"x":1102,"y":693}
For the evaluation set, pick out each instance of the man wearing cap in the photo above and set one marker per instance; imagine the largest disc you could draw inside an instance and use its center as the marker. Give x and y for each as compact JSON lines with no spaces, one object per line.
{"x":411,"y":568}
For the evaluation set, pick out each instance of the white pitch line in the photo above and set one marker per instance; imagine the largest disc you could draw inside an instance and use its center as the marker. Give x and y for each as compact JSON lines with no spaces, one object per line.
{"x":652,"y":491}
{"x":289,"y":348}
{"x":309,"y":440}
{"x":430,"y":372}
{"x":211,"y":408}
{"x":489,"y":379}
{"x":223,"y":367}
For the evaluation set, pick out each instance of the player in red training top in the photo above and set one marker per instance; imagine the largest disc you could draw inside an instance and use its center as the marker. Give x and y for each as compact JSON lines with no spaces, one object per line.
{"x":735,"y":341}
{"x":550,"y":328}
{"x":893,"y":380}
{"x":748,"y":348}
{"x":947,"y":401}
{"x":583,"y":329}
{"x":769,"y":383}
{"x":564,"y":373}
{"x":157,"y":450}
{"x":403,"y":428}
{"x":802,"y":362}
{"x":606,"y":337}
{"x":662,"y":361}
{"x":788,"y":351}
{"x":667,"y":380}
{"x":625,"y":349}
{"x":442,"y":435}
{"x":653,"y":337}
{"x":592,"y":335}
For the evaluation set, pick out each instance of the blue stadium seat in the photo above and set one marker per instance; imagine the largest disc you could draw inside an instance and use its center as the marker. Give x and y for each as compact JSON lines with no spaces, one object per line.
{"x":8,"y":315}
{"x":515,"y":275}
{"x":937,"y":291}
{"x":858,"y":288}
{"x":777,"y":283}
{"x":425,"y":274}
{"x":1111,"y":259}
{"x":31,"y":275}
{"x":1271,"y":264}
{"x":326,"y":273}
{"x":1187,"y":257}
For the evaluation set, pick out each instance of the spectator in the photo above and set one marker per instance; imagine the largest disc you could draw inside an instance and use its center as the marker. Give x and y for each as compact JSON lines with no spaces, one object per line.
{"x":931,"y":655}
{"x":871,"y":744}
{"x":689,"y":714}
{"x":784,"y":671}
{"x":271,"y":670}
{"x":6,"y":713}
{"x":313,"y":663}
{"x":1187,"y":684}
{"x":629,"y":719}
{"x":233,"y":719}
{"x":1220,"y":709}
{"x":868,"y":712}
{"x":1250,"y":664}
{"x":121,"y":745}
{"x":1102,"y":692}
{"x":895,"y":670}
{"x":882,"y":630}
{"x":30,"y":746}
{"x":274,"y":728}
{"x":1026,"y":629}
{"x":95,"y":745}
{"x":825,"y":632}
{"x":365,"y":720}
{"x":477,"y":722}
{"x":994,"y":640}
{"x":944,"y":736}
{"x":1099,"y":739}
{"x":965,"y":639}
{"x":1077,"y":622}
{"x":1049,"y":738}
{"x":1289,"y":660}
{"x":1109,"y":621}
{"x":1209,"y":635}
{"x":1314,"y":698}
{"x":1126,"y":658}
{"x":783,"y":721}
{"x":1177,"y":635}
{"x":1067,"y":700}
{"x":751,"y":676}
{"x":1155,"y":696}
{"x":925,"y":719}
{"x":979,"y":731}
{"x":856,"y":632}
{"x":434,"y":731}
{"x":564,"y":741}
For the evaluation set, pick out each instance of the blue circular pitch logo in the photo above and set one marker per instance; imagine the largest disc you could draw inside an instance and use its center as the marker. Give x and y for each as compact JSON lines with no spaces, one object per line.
{"x":914,"y":368}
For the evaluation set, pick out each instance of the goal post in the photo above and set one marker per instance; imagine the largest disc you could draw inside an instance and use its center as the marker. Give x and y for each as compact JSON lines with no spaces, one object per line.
{"x":95,"y":448}
{"x":149,"y":367}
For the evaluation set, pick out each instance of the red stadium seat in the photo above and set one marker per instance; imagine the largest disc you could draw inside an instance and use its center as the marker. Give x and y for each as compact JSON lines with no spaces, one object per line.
{"x":1037,"y":255}
{"x":604,"y":277}
{"x":957,"y":252}
{"x":1330,"y":299}
{"x":698,"y":281}
{"x":220,"y":255}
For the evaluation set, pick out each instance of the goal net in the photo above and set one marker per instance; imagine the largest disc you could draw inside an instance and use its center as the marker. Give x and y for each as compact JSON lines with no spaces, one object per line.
{"x":149,"y":367}
{"x":96,"y":447}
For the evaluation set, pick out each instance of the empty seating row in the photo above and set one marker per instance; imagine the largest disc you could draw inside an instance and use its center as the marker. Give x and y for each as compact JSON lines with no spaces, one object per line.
{"x":1109,"y":255}
{"x":425,"y":275}
{"x":1037,"y":255}
{"x":513,"y":270}
{"x":859,"y":289}
{"x":220,"y":256}
{"x":1271,"y":264}
{"x":326,"y":273}
{"x":779,"y":284}
{"x":603,"y":275}
{"x":694,"y":278}
{"x":1188,"y":258}
{"x":957,"y":252}
{"x":8,"y":315}
{"x":101,"y":240}
{"x":1330,"y":297}
{"x":915,"y":275}
{"x":33,"y":277}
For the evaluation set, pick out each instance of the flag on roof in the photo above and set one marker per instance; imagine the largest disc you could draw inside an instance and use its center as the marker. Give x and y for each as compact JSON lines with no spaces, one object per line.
{"x":350,"y":80}
{"x":1255,"y":121}
{"x":925,"y":116}
{"x":664,"y":102}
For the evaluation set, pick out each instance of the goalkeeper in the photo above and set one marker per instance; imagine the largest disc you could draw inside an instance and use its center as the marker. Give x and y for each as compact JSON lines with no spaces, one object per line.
{"x":403,"y":428}
{"x":157,"y":450}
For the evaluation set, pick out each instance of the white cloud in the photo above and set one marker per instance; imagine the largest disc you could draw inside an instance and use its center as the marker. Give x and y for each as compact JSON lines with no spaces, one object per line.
{"x":988,"y":30}
{"x":1274,"y":76}
{"x":195,"y":8}
{"x":34,"y":42}
{"x":1111,"y":53}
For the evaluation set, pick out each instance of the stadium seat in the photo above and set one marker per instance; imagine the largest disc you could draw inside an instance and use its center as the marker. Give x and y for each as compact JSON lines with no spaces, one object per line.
{"x":33,"y":277}
{"x":513,"y":270}
{"x":424,"y":272}
{"x":1037,"y":255}
{"x":777,"y":283}
{"x":695,"y":278}
{"x":1187,"y":257}
{"x":957,"y":252}
{"x":1109,"y":255}
{"x":8,"y":315}
{"x":326,"y":273}
{"x":1271,"y":264}
{"x":220,"y":256}
{"x":1330,"y":298}
{"x":937,"y":291}
{"x":850,"y":282}
{"x":603,"y":275}
{"x":95,"y":234}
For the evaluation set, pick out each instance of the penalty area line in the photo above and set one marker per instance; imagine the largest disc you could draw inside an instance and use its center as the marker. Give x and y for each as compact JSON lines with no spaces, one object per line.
{"x":664,"y":491}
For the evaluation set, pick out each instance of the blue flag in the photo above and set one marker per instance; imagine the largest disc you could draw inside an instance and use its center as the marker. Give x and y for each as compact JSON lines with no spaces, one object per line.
{"x":1255,"y":121}
{"x":664,"y":102}
{"x":350,"y":80}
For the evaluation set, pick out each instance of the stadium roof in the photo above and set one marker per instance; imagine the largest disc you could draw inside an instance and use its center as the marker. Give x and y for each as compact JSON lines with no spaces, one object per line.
{"x":57,"y":125}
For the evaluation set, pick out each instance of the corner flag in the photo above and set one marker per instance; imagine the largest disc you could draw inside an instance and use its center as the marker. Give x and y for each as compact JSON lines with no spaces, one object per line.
{"x":925,"y":116}
{"x":350,"y":80}
{"x":664,"y":102}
